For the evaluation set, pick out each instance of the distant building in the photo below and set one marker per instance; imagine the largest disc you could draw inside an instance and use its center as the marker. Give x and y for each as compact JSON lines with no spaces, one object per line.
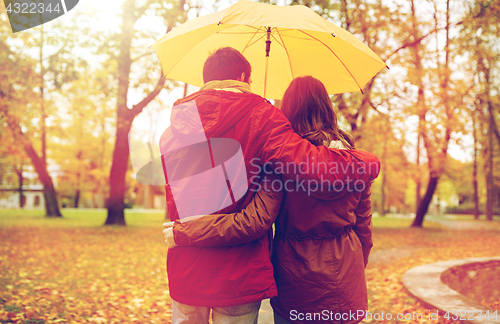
{"x":149,"y":197}
{"x":32,"y":190}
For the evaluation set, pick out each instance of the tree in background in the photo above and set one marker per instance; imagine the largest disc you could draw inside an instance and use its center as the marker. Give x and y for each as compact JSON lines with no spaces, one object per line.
{"x":436,"y":135}
{"x":122,"y":55}
{"x":443,"y":60}
{"x":31,"y":110}
{"x":83,"y":148}
{"x":19,"y":108}
{"x":479,"y":35}
{"x":371,"y":116}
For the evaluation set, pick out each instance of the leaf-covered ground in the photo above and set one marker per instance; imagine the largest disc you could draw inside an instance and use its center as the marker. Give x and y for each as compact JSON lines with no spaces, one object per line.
{"x":413,"y":247}
{"x":73,"y":270}
{"x":58,"y":273}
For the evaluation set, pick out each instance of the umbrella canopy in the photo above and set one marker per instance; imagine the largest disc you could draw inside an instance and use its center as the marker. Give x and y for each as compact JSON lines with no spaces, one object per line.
{"x":301,"y":43}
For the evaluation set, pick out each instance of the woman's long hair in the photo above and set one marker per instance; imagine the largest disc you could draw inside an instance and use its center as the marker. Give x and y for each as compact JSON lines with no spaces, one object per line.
{"x":309,"y":109}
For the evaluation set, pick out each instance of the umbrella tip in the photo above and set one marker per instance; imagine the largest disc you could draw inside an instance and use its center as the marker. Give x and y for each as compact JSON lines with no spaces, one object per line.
{"x":333,"y":34}
{"x":218,"y":23}
{"x":387,"y":66}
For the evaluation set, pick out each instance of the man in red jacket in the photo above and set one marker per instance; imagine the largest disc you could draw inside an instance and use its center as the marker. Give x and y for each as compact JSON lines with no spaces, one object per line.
{"x":221,"y":139}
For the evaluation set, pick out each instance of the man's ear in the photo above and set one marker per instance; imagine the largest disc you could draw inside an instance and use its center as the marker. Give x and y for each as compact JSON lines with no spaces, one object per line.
{"x":242,"y":77}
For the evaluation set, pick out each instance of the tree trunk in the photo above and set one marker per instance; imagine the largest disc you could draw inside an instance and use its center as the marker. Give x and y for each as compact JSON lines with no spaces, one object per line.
{"x":489,"y":173}
{"x":78,"y":175}
{"x":492,"y":129}
{"x":474,"y":173}
{"x":116,"y":201}
{"x":426,"y":200}
{"x":20,"y":188}
{"x":421,"y":107}
{"x":77,"y":198}
{"x":42,"y":100}
{"x":49,"y":192}
{"x":436,"y":155}
{"x":492,"y":116}
{"x":418,"y":180}
{"x":384,"y":178}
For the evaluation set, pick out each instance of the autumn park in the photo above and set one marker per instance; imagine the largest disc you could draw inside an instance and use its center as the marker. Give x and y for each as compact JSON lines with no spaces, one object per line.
{"x":86,"y":96}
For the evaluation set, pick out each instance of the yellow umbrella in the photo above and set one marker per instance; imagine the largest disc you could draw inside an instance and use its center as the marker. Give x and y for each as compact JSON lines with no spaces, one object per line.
{"x":281,"y":43}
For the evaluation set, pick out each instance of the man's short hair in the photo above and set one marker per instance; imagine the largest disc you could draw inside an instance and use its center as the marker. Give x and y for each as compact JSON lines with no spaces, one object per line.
{"x":226,"y":63}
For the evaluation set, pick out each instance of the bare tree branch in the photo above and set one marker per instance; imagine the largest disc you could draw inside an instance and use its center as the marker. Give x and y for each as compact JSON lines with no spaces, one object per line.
{"x":493,"y":122}
{"x":136,"y":109}
{"x":415,"y":42}
{"x":143,"y":55}
{"x":378,"y":111}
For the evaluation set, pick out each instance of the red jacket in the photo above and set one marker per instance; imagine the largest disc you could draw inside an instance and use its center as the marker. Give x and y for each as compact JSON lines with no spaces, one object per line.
{"x":235,"y":275}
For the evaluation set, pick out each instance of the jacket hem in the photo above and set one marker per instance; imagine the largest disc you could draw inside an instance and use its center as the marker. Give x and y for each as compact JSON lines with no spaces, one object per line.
{"x":270,"y":293}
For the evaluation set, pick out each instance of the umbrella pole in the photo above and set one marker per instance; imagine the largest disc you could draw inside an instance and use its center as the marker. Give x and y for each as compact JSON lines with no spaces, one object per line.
{"x":265,"y":76}
{"x":268,"y":49}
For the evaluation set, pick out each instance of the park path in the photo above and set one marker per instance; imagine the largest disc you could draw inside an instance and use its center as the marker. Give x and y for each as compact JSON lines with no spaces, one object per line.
{"x":405,"y":251}
{"x":461,"y":225}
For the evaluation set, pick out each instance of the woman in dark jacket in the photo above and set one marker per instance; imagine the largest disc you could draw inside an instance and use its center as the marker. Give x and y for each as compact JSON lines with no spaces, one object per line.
{"x":321,"y":247}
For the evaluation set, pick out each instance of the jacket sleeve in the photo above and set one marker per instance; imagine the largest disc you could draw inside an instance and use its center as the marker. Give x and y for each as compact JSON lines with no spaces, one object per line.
{"x":364,"y":226}
{"x":297,"y":159}
{"x":248,"y":225}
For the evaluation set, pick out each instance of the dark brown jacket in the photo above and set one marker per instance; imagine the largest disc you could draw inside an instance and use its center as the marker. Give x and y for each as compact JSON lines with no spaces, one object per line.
{"x":319,"y":253}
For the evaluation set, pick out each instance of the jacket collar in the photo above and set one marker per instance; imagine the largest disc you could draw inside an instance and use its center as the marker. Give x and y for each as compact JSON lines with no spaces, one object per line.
{"x":229,"y":85}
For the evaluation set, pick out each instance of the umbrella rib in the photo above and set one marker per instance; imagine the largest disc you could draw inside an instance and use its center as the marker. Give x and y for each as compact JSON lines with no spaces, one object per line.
{"x":276,"y":39}
{"x":335,"y":56}
{"x":286,"y":50}
{"x":248,"y":44}
{"x":240,"y":33}
{"x":235,"y":33}
{"x":263,"y":35}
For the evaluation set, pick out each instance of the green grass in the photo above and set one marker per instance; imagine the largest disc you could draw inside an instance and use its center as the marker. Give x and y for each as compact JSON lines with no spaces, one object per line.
{"x":154,"y":218}
{"x":134,"y":217}
{"x":77,"y":218}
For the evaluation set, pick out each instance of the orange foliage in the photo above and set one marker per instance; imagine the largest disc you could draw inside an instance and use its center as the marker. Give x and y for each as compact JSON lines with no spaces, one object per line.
{"x":415,"y":247}
{"x":117,"y":275}
{"x":94,"y":275}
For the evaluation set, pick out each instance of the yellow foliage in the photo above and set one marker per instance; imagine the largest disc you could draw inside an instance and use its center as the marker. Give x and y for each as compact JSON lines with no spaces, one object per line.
{"x":69,"y":274}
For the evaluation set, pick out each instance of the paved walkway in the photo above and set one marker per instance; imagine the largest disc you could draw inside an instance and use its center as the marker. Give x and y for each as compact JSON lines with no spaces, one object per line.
{"x":462,"y":225}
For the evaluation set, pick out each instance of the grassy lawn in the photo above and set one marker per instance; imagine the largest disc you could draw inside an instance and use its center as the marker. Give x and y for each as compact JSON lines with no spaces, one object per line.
{"x":74,"y":270}
{"x":78,"y":218}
